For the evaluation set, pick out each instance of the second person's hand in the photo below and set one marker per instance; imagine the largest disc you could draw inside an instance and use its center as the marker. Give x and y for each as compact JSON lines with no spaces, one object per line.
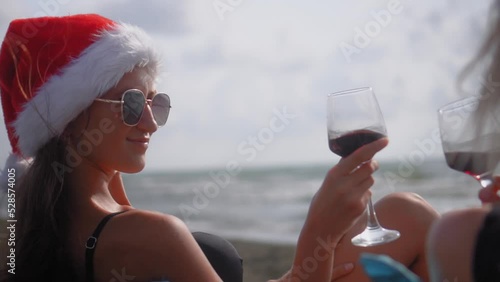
{"x":491,"y":194}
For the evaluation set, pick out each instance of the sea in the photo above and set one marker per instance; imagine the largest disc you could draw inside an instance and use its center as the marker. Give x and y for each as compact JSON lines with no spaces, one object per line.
{"x":269,"y":204}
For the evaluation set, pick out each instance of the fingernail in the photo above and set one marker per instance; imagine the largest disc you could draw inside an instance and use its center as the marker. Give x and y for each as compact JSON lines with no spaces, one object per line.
{"x":348,"y":266}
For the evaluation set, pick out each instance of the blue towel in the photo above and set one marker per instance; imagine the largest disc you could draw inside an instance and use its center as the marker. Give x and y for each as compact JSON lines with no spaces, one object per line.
{"x":382,"y":268}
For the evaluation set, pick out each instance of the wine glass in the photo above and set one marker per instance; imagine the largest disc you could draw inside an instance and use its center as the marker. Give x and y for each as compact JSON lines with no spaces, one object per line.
{"x":470,"y":141}
{"x":353,"y":120}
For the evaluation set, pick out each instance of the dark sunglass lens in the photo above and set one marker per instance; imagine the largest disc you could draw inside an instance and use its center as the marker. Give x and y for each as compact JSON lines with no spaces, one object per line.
{"x":161,"y":108}
{"x":133,"y":106}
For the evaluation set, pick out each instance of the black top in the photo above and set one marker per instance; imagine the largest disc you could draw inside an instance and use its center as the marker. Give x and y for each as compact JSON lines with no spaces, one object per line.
{"x":486,"y":259}
{"x":222,"y":256}
{"x":92,"y":244}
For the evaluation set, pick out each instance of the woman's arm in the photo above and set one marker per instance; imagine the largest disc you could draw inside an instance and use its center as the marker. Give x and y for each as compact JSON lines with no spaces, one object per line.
{"x":341,"y":199}
{"x":450,"y":245}
{"x":452,"y":239}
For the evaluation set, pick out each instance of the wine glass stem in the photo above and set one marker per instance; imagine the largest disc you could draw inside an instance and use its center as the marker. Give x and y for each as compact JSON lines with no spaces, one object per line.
{"x":372,"y":222}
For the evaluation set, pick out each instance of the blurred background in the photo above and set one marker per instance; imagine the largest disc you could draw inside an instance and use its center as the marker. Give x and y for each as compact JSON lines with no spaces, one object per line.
{"x":229,"y":65}
{"x":246,"y":146}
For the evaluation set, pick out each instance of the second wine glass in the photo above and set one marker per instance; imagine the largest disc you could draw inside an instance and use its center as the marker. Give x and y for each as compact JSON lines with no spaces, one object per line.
{"x":353,"y":120}
{"x":469,"y":139}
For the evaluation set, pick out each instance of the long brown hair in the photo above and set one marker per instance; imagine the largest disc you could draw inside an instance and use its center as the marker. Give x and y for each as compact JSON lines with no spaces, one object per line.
{"x":43,"y":220}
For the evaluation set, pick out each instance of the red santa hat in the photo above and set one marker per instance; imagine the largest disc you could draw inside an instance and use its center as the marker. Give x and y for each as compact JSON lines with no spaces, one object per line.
{"x":52,"y":68}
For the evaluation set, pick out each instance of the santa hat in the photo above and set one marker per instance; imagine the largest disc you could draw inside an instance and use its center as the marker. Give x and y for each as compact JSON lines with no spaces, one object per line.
{"x":52,"y":68}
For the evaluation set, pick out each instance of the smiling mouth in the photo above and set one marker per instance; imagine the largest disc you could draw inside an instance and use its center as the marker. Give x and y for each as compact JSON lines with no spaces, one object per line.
{"x":143,"y":144}
{"x":139,"y":140}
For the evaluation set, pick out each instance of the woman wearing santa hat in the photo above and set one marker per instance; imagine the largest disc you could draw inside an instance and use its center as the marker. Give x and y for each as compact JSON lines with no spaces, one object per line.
{"x":80,"y":105}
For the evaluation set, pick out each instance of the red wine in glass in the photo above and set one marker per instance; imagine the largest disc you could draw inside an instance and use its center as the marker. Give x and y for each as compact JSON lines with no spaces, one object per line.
{"x":350,"y":142}
{"x":472,"y":163}
{"x":475,"y":164}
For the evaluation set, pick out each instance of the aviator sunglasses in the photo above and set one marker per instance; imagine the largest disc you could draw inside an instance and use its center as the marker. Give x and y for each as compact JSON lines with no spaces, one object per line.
{"x":133,"y":102}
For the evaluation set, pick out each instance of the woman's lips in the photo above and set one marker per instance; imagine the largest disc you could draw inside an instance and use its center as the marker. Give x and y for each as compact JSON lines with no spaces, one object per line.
{"x":143,"y":142}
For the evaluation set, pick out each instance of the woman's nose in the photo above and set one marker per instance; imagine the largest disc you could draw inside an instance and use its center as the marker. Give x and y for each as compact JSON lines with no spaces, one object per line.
{"x":147,"y":122}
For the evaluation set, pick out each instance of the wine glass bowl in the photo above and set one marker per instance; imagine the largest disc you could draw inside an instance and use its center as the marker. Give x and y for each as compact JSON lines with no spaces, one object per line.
{"x":470,"y":144}
{"x":354,"y":119}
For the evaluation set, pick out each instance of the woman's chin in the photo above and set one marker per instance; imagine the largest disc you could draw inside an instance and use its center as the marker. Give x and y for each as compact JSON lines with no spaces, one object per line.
{"x":133,"y":166}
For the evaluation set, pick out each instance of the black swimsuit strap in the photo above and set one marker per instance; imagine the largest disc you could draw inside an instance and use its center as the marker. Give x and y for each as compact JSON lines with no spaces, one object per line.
{"x":91,"y":245}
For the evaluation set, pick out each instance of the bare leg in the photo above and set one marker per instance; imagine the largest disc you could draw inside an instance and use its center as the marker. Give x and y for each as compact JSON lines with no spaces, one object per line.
{"x":408,"y":213}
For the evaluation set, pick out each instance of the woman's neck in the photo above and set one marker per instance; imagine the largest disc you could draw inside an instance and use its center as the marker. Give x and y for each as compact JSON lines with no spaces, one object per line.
{"x":117,"y":190}
{"x":96,"y":189}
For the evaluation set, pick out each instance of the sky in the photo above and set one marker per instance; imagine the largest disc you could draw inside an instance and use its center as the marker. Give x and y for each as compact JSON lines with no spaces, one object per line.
{"x":248,"y":80}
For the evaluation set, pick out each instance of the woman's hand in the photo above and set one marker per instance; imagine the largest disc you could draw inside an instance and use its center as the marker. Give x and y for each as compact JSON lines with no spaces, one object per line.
{"x":340,"y":200}
{"x":491,"y":194}
{"x":344,"y":193}
{"x":339,"y":271}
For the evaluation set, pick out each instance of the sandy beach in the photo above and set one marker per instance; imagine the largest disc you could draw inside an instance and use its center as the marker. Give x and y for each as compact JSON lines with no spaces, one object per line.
{"x":264,"y":261}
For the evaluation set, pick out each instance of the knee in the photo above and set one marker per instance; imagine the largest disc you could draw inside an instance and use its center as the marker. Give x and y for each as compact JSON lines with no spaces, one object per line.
{"x":402,"y":198}
{"x":407,"y":208}
{"x":409,"y":203}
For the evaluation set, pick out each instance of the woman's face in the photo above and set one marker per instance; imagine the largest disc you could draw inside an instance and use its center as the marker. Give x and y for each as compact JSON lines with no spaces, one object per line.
{"x":99,"y":135}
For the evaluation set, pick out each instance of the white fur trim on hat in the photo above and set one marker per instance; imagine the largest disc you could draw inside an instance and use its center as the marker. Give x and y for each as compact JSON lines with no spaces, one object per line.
{"x":65,"y":95}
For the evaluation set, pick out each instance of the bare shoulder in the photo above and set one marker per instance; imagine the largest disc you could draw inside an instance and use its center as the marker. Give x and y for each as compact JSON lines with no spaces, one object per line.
{"x":455,"y":227}
{"x":149,"y":245}
{"x":150,"y":226}
{"x":451,"y":243}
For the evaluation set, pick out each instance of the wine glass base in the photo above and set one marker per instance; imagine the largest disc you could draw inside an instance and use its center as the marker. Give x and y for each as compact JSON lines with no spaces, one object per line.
{"x":375,"y":236}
